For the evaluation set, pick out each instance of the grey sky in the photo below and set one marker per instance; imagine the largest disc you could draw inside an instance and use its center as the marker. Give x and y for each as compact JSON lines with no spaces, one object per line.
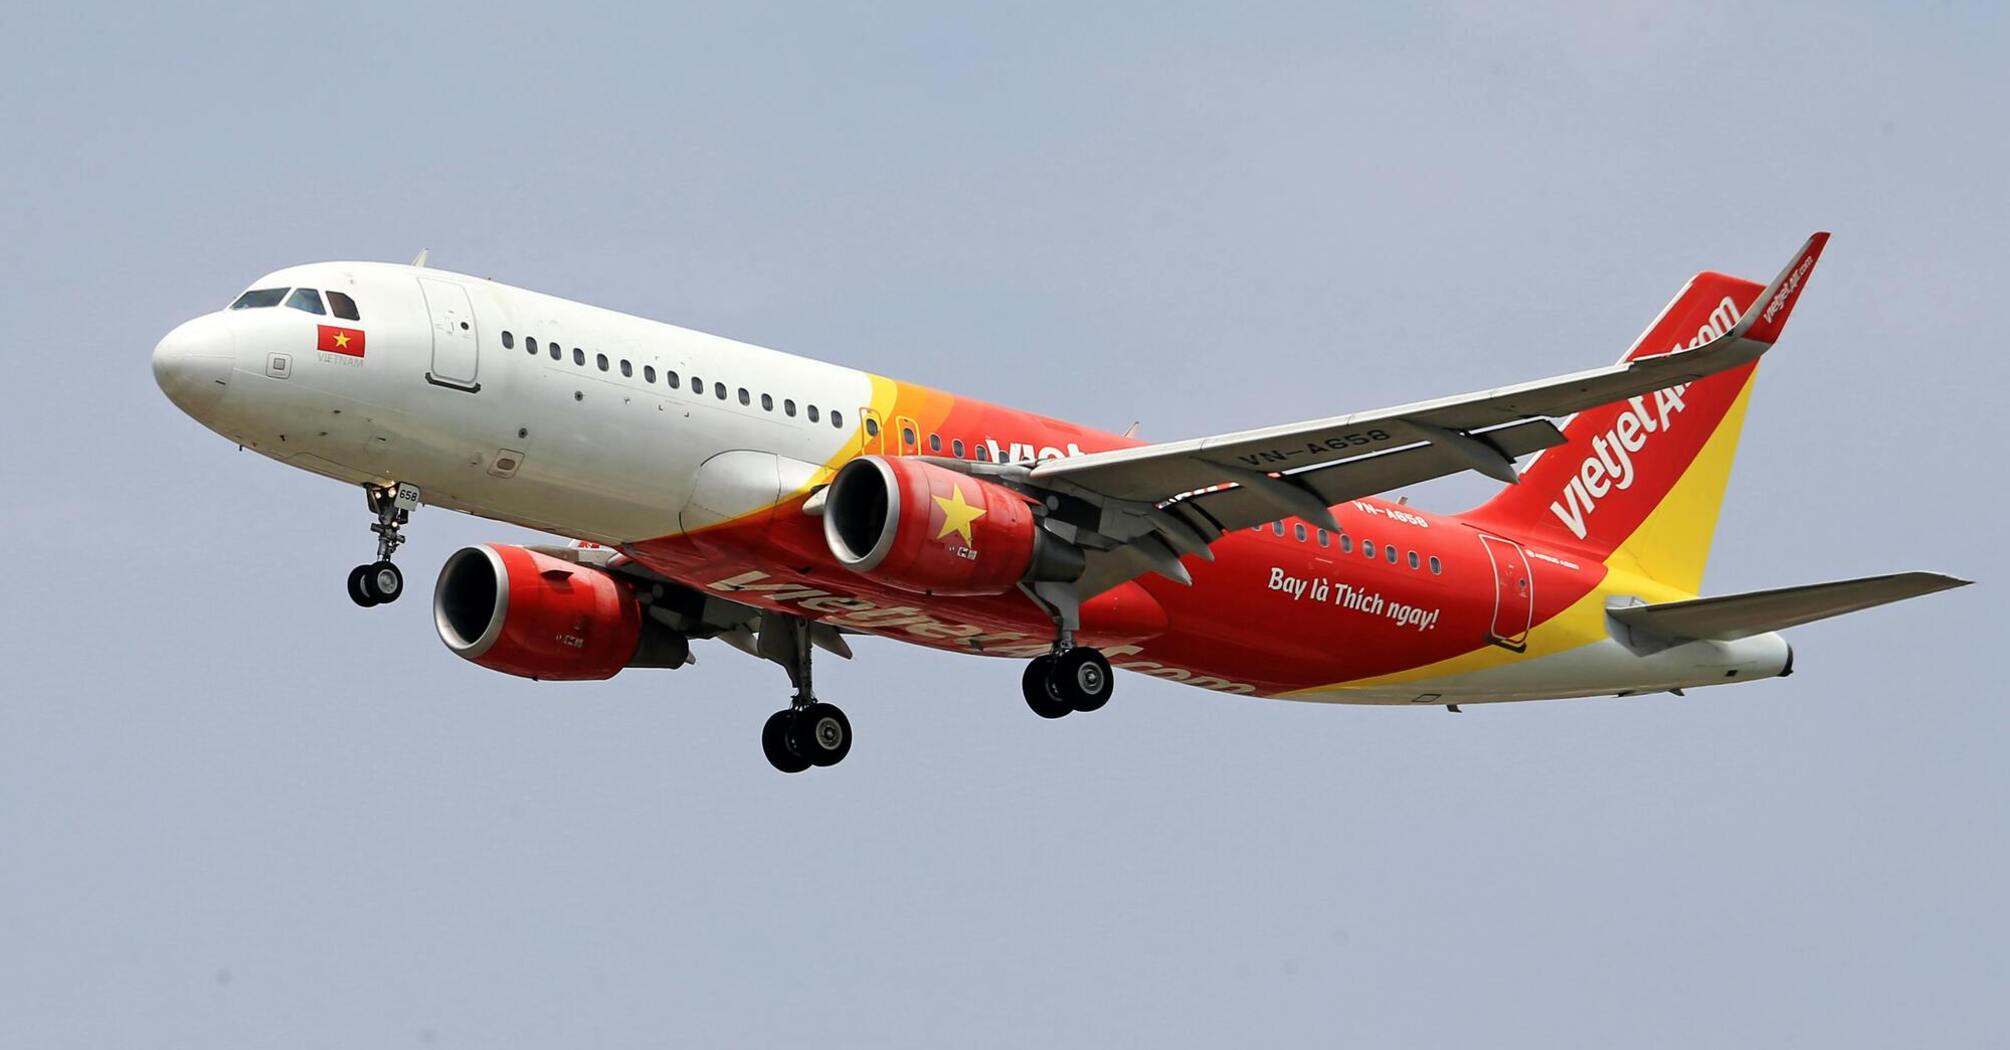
{"x":237,"y":811}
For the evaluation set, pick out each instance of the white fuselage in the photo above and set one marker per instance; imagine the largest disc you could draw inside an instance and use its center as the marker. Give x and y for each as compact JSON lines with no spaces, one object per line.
{"x":599,"y":456}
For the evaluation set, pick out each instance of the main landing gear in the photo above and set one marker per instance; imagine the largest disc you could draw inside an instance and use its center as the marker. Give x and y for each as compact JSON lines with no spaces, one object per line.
{"x":380,"y":581}
{"x":809,"y":732}
{"x":1076,"y":678}
{"x":1071,"y":677}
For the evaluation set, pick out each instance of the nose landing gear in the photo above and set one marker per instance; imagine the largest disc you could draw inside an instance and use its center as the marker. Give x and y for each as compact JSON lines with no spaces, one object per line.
{"x":380,"y":581}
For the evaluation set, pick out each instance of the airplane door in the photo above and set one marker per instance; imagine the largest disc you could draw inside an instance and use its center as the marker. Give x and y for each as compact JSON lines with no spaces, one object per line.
{"x":1514,"y":594}
{"x":871,"y":435}
{"x":456,"y":346}
{"x":910,"y":435}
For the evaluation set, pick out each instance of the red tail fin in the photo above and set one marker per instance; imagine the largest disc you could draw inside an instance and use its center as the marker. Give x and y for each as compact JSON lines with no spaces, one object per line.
{"x":1620,"y":461}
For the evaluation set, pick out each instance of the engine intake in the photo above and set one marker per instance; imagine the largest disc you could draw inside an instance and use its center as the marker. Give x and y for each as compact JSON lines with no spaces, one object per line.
{"x":932,"y":530}
{"x":535,"y":616}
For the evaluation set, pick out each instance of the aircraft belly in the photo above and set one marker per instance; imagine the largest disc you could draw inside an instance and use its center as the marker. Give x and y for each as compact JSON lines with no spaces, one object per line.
{"x":1604,"y":668}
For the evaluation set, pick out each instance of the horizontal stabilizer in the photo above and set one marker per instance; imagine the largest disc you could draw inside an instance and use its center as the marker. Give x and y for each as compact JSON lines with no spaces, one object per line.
{"x":1735,"y":616}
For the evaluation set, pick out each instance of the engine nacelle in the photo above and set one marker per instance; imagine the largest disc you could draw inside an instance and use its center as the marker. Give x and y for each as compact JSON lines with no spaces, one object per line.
{"x":536,"y":616}
{"x":931,"y":530}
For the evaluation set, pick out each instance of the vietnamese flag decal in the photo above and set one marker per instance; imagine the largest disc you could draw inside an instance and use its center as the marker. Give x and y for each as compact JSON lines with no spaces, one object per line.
{"x":334,"y":340}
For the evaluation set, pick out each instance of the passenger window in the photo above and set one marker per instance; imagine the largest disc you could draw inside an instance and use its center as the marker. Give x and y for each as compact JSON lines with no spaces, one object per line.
{"x":744,"y":399}
{"x":601,"y":360}
{"x":1277,"y":527}
{"x":1413,"y":559}
{"x":983,"y":453}
{"x":649,"y":374}
{"x":837,"y":419}
{"x":767,"y":403}
{"x":345,"y":307}
{"x":530,"y":343}
{"x":871,"y":427}
{"x":956,"y":447}
{"x":789,"y":407}
{"x":1368,"y":548}
{"x":1325,"y":539}
{"x":719,"y":390}
{"x":1390,"y":550}
{"x":627,"y":370}
{"x":579,"y":357}
{"x":812,"y":411}
{"x":1298,"y":530}
{"x":1437,"y":567}
{"x":555,"y":352}
{"x":907,"y":437}
{"x":1346,"y":544}
{"x":935,"y":442}
{"x":307,"y":300}
{"x":670,"y":378}
{"x":509,"y":342}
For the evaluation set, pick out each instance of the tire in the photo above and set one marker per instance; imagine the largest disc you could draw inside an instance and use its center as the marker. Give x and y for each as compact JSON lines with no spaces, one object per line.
{"x":1038,"y":686}
{"x":383,"y":581}
{"x":358,"y":591}
{"x":822,"y":734}
{"x":1081,"y":677}
{"x":775,"y":744}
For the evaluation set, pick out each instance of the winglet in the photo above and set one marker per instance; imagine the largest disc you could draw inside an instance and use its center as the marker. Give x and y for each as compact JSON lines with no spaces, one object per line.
{"x":1768,"y":315}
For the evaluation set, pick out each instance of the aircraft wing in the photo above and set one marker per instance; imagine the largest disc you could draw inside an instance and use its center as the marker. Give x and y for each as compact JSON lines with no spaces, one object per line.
{"x":1191,"y":492}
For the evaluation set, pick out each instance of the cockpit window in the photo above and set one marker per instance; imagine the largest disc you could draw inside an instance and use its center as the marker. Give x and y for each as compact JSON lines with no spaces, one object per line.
{"x":259,"y":298}
{"x":342,"y":306}
{"x":306,"y":299}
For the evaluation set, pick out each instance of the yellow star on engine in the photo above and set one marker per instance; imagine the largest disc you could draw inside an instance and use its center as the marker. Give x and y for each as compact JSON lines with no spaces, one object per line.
{"x":956,"y":514}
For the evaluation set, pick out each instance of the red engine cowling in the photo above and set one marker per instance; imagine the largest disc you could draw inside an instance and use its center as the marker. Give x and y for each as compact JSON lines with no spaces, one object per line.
{"x":931,"y":530}
{"x":535,"y":616}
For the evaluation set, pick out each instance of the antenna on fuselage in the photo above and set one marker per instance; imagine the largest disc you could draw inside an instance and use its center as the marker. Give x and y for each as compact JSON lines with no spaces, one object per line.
{"x":419,"y":260}
{"x":1132,"y":430}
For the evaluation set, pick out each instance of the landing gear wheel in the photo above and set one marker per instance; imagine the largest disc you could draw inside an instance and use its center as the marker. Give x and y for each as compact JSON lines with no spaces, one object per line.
{"x":1081,"y":678}
{"x":822,"y":734}
{"x":383,"y":582}
{"x":775,"y":744}
{"x":358,"y":592}
{"x":1037,"y":684}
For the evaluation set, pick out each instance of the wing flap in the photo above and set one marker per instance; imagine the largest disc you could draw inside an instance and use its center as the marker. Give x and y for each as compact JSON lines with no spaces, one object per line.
{"x":1733,"y":616}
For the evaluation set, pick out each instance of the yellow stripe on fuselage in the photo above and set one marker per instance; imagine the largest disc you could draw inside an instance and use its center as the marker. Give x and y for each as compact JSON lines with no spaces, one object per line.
{"x":1673,"y":544}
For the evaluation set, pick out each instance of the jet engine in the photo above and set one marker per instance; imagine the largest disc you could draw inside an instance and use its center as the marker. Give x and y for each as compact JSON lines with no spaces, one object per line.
{"x":535,"y":616}
{"x":932,"y":530}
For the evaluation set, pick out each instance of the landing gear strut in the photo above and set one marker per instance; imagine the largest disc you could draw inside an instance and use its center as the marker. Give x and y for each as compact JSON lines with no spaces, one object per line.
{"x":380,"y":581}
{"x":1071,"y":677}
{"x":809,"y":732}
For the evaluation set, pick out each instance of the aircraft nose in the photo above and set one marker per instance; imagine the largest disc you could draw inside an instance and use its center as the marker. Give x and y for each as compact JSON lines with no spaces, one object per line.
{"x":192,"y":364}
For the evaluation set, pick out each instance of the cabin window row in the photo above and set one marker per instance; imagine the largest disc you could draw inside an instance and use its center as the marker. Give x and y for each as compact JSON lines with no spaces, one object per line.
{"x":909,"y":440}
{"x":695,"y":385}
{"x":1388,"y":551}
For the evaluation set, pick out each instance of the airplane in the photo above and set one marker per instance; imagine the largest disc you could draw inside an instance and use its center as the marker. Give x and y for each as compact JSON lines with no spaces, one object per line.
{"x":715,"y":490}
